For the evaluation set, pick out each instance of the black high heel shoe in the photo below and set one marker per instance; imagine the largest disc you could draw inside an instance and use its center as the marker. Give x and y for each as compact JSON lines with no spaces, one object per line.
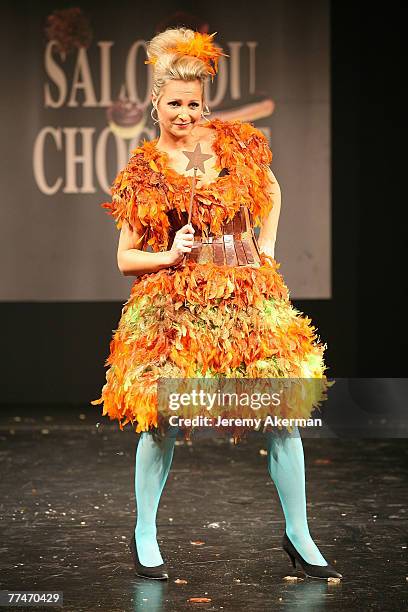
{"x":158,"y":572}
{"x":313,"y":571}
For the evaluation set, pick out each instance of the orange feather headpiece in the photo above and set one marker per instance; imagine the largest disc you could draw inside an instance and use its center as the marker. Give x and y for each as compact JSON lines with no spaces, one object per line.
{"x":202,"y":47}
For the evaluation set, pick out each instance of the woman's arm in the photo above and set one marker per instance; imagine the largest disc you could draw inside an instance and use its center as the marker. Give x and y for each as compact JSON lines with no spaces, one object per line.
{"x":267,"y":234}
{"x":134,"y":262}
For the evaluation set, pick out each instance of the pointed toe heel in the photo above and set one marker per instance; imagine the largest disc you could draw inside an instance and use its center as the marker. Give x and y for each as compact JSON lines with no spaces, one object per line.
{"x":158,"y":572}
{"x":310,"y":570}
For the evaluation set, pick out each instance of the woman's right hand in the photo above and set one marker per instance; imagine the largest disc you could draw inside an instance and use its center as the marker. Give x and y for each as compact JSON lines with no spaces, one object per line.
{"x":182,"y":243}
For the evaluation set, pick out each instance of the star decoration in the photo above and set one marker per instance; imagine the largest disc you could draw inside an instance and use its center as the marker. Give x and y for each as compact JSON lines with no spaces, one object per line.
{"x":196,"y":158}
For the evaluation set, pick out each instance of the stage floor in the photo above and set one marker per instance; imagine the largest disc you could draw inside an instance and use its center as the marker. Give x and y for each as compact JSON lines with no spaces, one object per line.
{"x":67,"y":512}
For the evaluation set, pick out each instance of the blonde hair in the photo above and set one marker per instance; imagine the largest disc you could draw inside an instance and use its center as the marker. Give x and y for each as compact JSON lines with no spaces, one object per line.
{"x":170,"y":65}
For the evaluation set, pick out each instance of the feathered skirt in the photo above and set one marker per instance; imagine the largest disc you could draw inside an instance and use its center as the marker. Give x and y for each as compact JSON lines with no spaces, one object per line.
{"x":204,"y":321}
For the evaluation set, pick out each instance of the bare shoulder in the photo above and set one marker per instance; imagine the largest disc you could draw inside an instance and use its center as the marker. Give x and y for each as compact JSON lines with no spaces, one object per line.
{"x":206,"y":134}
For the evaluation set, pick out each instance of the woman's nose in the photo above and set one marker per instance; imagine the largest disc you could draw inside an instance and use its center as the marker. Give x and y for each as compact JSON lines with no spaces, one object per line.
{"x":183,"y":114}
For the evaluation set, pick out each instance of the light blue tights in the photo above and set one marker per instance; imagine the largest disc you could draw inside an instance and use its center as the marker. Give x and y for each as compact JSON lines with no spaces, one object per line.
{"x":153,"y":461}
{"x":286,"y":467}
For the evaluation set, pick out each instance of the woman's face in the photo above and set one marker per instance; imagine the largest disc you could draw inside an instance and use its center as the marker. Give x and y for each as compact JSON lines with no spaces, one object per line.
{"x":179,"y":107}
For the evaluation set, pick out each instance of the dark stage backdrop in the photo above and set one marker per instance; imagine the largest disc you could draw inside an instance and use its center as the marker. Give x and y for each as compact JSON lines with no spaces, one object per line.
{"x":63,"y":140}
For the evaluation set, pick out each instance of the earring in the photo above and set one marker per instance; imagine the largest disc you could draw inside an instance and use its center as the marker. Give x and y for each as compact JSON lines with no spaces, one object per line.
{"x":154,"y":108}
{"x":205,"y":112}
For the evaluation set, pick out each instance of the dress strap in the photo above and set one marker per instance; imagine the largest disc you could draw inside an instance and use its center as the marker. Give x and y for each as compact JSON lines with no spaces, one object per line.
{"x":223,"y":172}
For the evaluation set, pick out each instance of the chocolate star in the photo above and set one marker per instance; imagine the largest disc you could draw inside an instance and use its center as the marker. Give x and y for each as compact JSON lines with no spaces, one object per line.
{"x":196,"y":158}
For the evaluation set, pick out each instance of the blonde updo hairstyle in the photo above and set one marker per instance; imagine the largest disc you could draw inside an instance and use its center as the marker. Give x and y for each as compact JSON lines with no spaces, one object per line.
{"x":170,"y":65}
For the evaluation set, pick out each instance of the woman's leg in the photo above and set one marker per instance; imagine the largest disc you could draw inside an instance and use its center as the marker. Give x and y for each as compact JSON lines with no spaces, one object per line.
{"x":153,"y":461}
{"x":286,"y":467}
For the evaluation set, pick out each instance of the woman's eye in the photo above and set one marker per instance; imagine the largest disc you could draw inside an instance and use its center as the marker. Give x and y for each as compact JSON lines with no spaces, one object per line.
{"x":193,"y":104}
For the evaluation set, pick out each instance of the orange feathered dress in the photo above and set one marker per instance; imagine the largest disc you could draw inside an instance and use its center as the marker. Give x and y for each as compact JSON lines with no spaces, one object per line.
{"x":203,"y":320}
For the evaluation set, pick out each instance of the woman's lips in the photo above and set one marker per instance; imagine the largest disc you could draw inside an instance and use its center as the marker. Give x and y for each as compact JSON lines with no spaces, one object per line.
{"x":182,"y":124}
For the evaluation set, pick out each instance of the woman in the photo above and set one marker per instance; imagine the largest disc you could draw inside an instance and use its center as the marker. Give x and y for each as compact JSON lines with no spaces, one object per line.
{"x":208,"y":301}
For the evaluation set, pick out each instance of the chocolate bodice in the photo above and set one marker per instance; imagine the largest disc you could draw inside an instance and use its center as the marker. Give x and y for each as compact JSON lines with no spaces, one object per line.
{"x":235,"y":245}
